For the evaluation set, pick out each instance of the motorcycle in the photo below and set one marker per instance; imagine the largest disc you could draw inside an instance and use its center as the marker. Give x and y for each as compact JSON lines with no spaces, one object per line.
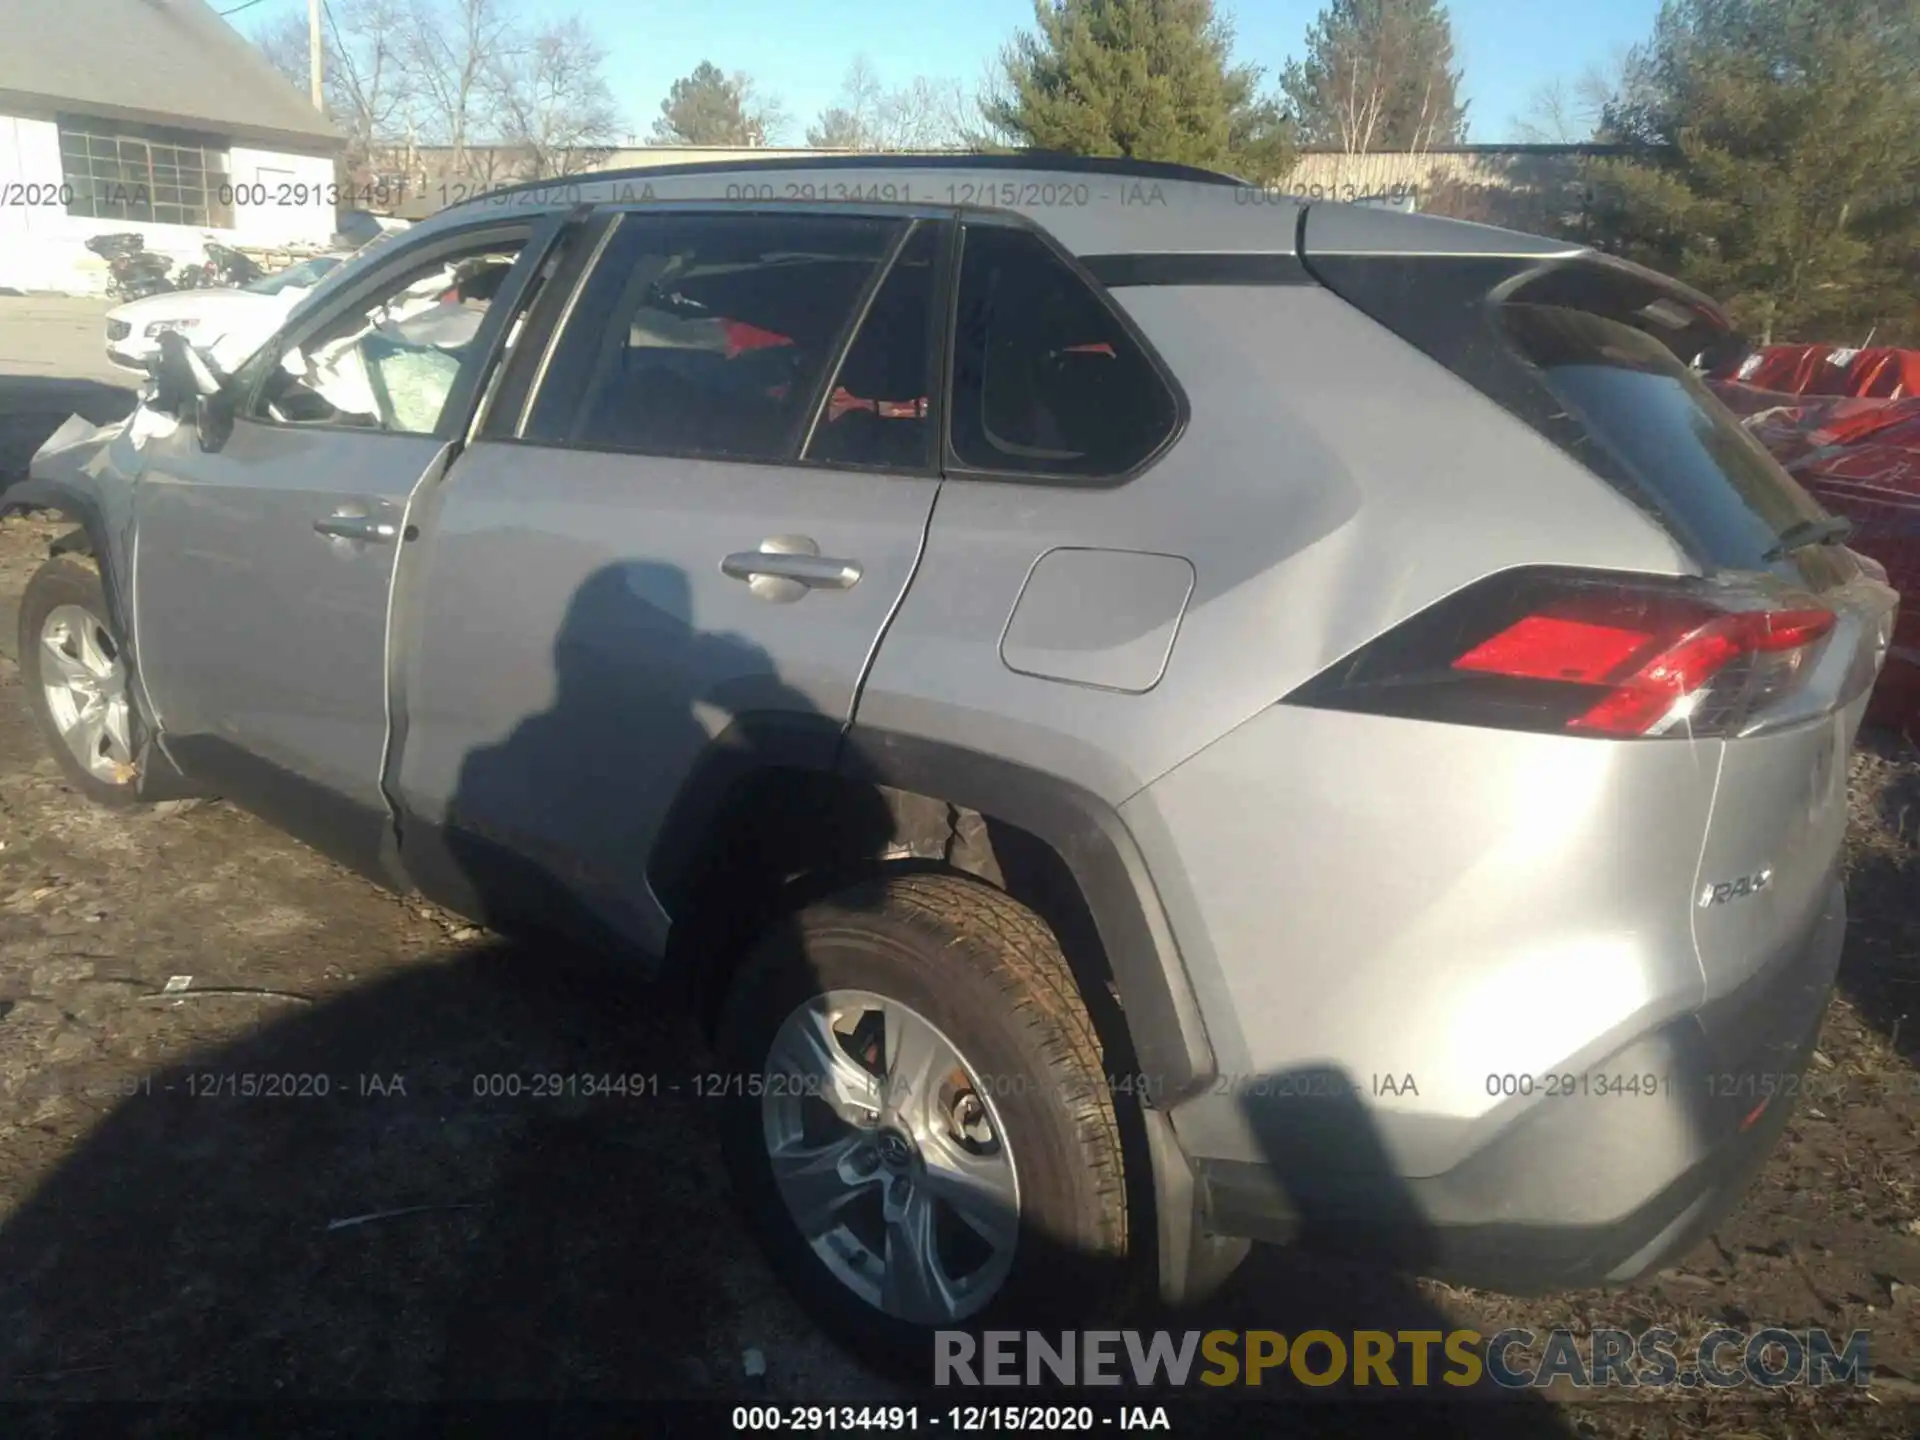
{"x":225,"y":268}
{"x":135,"y":271}
{"x":230,"y":267}
{"x":195,"y":277}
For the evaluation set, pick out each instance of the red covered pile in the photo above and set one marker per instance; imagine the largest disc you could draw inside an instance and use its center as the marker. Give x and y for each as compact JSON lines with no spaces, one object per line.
{"x":1846,"y":424}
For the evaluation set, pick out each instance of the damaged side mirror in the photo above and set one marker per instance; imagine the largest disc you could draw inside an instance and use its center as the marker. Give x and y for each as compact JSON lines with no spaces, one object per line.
{"x":213,"y":419}
{"x":184,"y":385}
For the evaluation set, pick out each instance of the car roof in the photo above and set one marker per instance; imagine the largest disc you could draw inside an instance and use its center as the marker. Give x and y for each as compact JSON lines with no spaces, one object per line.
{"x":1092,"y":205}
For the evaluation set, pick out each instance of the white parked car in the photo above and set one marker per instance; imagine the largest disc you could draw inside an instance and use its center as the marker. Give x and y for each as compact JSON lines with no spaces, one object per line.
{"x":244,"y":317}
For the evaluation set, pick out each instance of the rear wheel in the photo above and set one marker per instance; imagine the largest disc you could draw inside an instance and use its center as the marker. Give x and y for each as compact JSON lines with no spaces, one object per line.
{"x":74,"y":666}
{"x":917,"y":1119}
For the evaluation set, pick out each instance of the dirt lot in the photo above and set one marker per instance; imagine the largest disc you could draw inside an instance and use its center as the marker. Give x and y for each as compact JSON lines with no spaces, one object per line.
{"x":399,"y":1238}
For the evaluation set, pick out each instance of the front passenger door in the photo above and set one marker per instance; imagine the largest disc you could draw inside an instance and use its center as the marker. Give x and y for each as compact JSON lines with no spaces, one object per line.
{"x":264,"y":565}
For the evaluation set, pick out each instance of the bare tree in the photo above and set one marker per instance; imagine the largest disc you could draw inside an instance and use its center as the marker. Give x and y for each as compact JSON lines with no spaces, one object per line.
{"x":1563,"y":113}
{"x":850,"y":125}
{"x":923,"y":114}
{"x":992,"y":96}
{"x":365,"y":51}
{"x":554,"y":103}
{"x":508,"y":102}
{"x":1549,"y":116}
{"x":456,"y":51}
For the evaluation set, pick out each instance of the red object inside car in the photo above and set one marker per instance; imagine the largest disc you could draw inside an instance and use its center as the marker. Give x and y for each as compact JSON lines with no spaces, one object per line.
{"x":742,"y":337}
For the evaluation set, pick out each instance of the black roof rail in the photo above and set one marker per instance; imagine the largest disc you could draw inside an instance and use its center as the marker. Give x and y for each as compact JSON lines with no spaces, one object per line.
{"x":1014,"y":160}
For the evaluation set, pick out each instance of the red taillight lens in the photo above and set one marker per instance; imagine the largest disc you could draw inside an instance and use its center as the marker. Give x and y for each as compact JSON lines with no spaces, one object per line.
{"x":1647,"y":668}
{"x":1584,"y":653}
{"x":1549,"y":647}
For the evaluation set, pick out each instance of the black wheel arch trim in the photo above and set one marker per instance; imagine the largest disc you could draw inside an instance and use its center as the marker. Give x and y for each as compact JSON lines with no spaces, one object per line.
{"x":1161,"y":1011}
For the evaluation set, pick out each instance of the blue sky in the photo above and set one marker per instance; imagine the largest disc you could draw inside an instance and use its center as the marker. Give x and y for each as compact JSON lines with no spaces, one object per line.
{"x":800,"y":51}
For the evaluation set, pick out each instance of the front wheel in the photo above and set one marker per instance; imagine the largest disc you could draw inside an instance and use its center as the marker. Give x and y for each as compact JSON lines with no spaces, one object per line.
{"x":75,"y":670}
{"x":922,"y":1134}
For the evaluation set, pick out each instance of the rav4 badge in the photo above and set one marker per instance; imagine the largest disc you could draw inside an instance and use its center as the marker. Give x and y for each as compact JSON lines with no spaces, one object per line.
{"x":1728,"y":891}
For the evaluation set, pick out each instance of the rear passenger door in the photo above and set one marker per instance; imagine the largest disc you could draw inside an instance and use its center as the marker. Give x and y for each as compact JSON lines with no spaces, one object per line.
{"x":700,"y":510}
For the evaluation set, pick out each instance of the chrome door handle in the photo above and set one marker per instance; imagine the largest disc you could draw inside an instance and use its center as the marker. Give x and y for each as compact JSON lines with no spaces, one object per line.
{"x":785,"y":567}
{"x":357,"y":527}
{"x":814,"y":571}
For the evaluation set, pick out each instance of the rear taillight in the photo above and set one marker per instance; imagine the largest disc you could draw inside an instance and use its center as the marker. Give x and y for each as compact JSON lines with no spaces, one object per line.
{"x":1586,"y":653}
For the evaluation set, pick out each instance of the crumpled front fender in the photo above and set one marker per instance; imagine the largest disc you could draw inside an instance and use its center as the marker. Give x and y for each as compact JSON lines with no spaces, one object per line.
{"x":81,"y":459}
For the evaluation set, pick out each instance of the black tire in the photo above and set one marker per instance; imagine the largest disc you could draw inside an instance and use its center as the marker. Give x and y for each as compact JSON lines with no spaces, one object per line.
{"x":70,"y":580}
{"x":988,"y":973}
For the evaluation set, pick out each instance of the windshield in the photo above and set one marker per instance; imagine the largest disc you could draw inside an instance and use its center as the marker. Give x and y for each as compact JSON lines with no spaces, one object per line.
{"x":351,"y":265}
{"x":303,"y":276}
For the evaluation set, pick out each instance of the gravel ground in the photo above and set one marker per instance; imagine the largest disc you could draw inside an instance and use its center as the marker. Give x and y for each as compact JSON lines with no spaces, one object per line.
{"x":398,"y":1238}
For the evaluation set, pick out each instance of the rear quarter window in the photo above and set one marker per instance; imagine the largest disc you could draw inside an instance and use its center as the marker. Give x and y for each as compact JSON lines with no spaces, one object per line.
{"x":1657,"y":421}
{"x":1048,"y":381}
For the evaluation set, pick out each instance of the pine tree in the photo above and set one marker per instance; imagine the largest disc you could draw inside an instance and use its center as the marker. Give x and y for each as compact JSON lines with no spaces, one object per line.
{"x":1783,"y":166}
{"x":1379,"y":75}
{"x":708,"y":107}
{"x":1147,"y":79}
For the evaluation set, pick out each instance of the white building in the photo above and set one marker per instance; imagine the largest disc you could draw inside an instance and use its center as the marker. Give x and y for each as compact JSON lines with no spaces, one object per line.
{"x":148,"y":115}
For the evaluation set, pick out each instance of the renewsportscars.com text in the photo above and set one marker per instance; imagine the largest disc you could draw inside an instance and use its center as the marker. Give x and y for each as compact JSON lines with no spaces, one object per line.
{"x":1417,"y":1359}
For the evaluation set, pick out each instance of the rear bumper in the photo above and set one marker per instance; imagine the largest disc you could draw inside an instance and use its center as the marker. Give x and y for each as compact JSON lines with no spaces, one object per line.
{"x":1581,"y":1189}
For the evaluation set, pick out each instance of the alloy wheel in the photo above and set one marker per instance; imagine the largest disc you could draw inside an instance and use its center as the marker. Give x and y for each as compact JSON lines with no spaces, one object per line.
{"x":890,"y":1156}
{"x":85,"y":681}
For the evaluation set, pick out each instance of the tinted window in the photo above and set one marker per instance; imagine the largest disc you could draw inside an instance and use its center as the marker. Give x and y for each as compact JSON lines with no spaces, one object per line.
{"x":391,"y":363}
{"x":1046,"y":379}
{"x":708,"y":335}
{"x":1593,"y":355}
{"x":876,"y":412}
{"x":1660,"y":424}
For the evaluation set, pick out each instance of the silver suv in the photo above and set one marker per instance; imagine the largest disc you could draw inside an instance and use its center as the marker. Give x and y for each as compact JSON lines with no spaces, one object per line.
{"x":1145,"y":715}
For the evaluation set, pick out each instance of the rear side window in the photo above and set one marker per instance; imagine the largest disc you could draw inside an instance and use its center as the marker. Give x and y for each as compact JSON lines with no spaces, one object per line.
{"x":708,"y":335}
{"x":1047,"y":381}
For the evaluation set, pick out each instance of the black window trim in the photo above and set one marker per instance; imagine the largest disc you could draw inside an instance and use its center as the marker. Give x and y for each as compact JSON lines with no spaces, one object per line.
{"x":536,"y":234}
{"x":909,"y":214}
{"x":953,"y":467}
{"x":944,"y":233}
{"x":506,"y":410}
{"x":800,"y":433}
{"x":473,"y":389}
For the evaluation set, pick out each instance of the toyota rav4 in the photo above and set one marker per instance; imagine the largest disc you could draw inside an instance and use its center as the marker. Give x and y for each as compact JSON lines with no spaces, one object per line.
{"x":1145,"y":716}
